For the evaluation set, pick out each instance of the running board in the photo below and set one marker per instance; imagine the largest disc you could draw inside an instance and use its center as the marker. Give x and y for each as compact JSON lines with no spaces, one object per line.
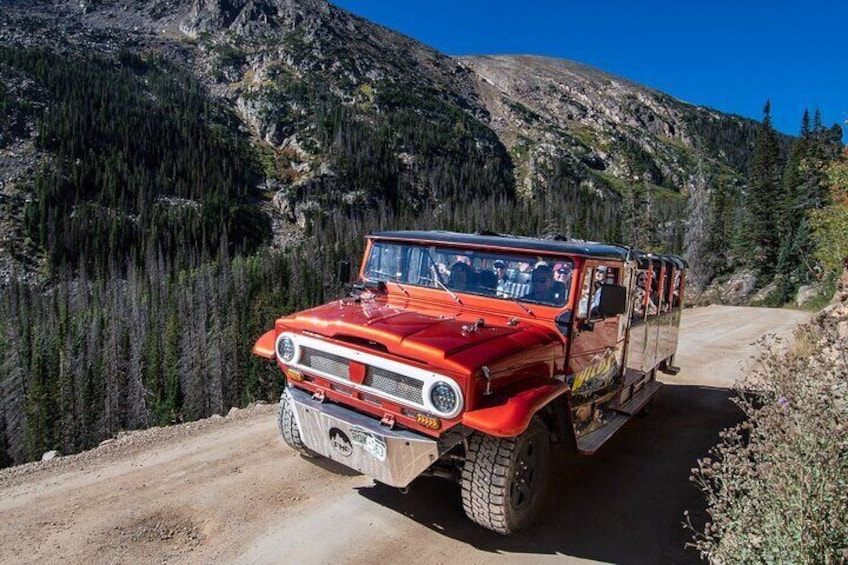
{"x":640,"y":399}
{"x":591,"y":442}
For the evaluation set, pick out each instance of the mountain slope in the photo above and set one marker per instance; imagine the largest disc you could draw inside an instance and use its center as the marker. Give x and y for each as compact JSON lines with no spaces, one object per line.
{"x":347,"y":115}
{"x":606,"y":126}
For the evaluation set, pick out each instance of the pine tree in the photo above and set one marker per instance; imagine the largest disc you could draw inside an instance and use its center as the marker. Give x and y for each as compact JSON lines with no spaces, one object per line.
{"x":805,"y":189}
{"x":759,"y":237}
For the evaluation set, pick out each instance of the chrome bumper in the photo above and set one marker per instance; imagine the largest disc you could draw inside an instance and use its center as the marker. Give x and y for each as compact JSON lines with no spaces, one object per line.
{"x":393,"y":457}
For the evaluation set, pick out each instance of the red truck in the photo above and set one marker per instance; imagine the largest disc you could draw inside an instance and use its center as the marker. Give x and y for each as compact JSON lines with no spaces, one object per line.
{"x":467,"y":355}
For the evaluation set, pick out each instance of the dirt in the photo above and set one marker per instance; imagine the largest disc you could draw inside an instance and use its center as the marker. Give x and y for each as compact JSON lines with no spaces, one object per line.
{"x":227,"y":490}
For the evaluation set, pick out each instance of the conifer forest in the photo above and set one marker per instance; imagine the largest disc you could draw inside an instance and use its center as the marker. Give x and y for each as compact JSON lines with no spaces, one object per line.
{"x":159,"y":268}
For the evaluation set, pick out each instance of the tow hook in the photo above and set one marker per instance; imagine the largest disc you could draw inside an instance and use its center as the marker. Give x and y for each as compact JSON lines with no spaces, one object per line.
{"x":404,"y":490}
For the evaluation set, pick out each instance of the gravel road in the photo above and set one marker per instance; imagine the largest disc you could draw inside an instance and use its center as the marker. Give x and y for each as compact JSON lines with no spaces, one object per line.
{"x":227,"y":490}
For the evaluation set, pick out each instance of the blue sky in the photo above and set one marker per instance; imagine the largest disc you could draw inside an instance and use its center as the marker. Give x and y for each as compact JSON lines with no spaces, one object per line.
{"x":728,"y":55}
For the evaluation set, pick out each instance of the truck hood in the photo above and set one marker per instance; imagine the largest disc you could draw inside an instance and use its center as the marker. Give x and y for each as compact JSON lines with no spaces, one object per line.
{"x":448,"y":340}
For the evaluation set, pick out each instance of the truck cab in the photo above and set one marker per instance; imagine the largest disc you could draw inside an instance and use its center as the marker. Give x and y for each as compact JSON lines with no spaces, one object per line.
{"x":466,"y":356}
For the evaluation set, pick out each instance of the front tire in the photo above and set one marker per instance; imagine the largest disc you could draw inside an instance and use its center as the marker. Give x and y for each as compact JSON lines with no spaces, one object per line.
{"x":504,"y":479}
{"x":288,"y":427}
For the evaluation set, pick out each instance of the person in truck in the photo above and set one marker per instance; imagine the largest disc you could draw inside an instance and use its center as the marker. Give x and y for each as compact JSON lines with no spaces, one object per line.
{"x":639,"y":303}
{"x":500,"y":270}
{"x":460,"y":276}
{"x":543,"y":288}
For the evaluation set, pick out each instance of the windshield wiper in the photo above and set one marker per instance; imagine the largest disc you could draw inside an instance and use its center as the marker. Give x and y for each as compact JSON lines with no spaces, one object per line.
{"x":401,"y":287}
{"x":439,"y":282}
{"x":389,"y":278}
{"x":527,"y":309}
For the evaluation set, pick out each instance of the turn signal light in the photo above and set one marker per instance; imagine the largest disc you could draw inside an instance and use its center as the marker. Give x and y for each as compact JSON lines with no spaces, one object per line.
{"x":294,"y":375}
{"x":428,"y":421}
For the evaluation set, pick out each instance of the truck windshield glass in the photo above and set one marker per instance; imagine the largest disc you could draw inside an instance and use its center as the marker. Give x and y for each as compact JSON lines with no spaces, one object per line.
{"x":539,"y":279}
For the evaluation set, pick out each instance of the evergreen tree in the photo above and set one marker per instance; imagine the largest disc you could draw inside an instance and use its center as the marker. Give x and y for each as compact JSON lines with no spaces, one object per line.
{"x":805,"y":189}
{"x":830,"y":223}
{"x":760,"y":236}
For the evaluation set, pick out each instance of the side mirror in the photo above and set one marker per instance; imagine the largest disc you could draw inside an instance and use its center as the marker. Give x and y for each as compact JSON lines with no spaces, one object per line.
{"x":613,"y":300}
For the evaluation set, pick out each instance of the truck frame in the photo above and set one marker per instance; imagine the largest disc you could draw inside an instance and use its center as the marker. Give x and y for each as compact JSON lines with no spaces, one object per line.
{"x":467,"y":356}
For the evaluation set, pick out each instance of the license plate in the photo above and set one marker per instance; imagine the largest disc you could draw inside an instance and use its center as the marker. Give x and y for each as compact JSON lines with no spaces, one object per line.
{"x":371,"y":443}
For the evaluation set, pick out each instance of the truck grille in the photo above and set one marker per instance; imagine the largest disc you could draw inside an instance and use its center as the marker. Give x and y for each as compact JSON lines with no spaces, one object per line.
{"x":376,"y":378}
{"x":325,"y":362}
{"x":394,"y":384}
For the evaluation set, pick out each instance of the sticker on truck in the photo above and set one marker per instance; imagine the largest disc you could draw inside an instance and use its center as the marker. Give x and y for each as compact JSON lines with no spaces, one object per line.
{"x":596,"y":375}
{"x":371,"y":443}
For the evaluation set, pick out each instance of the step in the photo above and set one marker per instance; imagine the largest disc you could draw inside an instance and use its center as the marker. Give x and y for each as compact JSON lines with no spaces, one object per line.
{"x":632,"y":376}
{"x":591,"y":442}
{"x":670,"y":370}
{"x":640,"y":399}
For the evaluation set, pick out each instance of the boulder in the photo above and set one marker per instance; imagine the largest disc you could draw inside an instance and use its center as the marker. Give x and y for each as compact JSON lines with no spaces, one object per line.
{"x":806,"y":293}
{"x":766,"y":292}
{"x":735,"y":290}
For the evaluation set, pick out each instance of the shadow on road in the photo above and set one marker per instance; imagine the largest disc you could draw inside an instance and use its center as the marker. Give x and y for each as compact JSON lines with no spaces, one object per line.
{"x":623,"y":505}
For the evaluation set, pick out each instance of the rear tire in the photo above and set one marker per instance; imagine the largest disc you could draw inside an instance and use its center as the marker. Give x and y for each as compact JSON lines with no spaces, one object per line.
{"x":288,"y":427}
{"x":504,"y":479}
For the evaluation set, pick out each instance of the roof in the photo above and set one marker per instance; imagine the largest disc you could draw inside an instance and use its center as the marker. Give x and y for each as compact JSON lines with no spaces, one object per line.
{"x":488,"y":240}
{"x":643,"y":258}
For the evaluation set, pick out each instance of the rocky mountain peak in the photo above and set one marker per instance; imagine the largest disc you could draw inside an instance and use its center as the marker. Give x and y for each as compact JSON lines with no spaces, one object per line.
{"x":285,"y":68}
{"x":247,"y":18}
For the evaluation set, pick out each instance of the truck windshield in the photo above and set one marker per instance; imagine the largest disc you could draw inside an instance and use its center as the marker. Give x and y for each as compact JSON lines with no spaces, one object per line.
{"x":540,"y":279}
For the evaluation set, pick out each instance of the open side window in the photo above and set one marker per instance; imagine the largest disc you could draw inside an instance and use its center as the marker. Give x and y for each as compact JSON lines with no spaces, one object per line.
{"x":600,"y":295}
{"x":677,"y":290}
{"x":641,"y":295}
{"x":667,"y":286}
{"x":655,"y":280}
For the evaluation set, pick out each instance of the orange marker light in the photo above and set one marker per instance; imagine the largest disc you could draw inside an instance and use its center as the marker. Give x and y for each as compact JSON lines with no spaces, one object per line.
{"x":428,"y":421}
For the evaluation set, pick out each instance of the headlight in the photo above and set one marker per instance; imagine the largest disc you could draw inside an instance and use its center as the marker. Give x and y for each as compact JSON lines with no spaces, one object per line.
{"x":285,"y":348}
{"x":443,"y":397}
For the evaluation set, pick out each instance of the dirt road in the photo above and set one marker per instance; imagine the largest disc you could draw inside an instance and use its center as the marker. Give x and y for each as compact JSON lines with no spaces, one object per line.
{"x":227,"y":490}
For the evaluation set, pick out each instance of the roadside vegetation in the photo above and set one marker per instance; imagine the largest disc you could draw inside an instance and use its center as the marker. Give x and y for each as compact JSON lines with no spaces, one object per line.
{"x":776,"y":485}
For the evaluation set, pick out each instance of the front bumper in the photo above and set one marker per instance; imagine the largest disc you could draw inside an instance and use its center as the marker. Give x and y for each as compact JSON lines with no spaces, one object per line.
{"x":393,"y":457}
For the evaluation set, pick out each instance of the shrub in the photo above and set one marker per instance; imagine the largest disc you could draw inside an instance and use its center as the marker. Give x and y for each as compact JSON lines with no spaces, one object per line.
{"x":776,"y":485}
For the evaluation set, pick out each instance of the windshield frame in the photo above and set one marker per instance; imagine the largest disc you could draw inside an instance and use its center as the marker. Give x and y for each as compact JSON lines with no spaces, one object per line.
{"x":497,"y":274}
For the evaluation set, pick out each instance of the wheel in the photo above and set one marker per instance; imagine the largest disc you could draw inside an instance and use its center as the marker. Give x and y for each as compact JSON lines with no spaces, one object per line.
{"x":504,"y":479}
{"x":288,"y":427}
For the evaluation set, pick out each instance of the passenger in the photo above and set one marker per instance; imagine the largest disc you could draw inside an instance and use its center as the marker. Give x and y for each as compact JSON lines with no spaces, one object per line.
{"x":666,"y":305}
{"x":600,"y":279}
{"x":488,"y":282}
{"x":460,"y":276}
{"x":562,"y":273}
{"x":542,"y":287}
{"x":500,"y":270}
{"x":654,"y":296}
{"x":639,"y":307}
{"x":639,"y":296}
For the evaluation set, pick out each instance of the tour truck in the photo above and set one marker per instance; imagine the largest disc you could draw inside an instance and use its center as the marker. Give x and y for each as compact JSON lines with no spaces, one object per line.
{"x":466,"y":356}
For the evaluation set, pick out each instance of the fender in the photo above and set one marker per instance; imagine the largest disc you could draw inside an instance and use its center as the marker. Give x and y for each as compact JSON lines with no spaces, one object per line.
{"x":264,"y":346}
{"x":512,"y":417}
